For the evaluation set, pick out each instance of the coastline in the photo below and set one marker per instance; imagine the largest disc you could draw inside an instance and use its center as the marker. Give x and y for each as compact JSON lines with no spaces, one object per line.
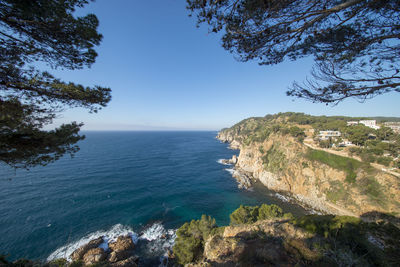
{"x":247,"y":178}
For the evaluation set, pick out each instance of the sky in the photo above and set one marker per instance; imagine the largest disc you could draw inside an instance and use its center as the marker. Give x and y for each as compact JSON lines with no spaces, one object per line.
{"x":166,"y":74}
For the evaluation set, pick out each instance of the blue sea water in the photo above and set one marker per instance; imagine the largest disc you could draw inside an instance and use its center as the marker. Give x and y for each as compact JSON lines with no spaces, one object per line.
{"x":145,"y":183}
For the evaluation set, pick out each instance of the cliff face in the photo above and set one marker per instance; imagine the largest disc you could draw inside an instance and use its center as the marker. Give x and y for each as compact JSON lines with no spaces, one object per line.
{"x":282,"y":163}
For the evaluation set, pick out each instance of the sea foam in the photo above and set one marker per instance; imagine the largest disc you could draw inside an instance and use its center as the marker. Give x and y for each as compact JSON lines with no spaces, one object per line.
{"x":108,"y":236}
{"x":221,"y":161}
{"x":231,"y":171}
{"x":154,"y":241}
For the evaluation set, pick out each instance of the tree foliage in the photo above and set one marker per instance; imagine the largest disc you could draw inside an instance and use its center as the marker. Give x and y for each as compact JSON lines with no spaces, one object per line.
{"x":251,"y":214}
{"x":355,"y":43}
{"x":191,"y":237}
{"x":43,"y":31}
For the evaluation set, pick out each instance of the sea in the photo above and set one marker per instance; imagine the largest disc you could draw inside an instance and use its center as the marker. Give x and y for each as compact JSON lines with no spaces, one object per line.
{"x":145,"y":184}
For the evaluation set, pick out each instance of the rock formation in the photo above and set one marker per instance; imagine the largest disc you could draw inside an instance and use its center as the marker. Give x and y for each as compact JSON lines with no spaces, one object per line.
{"x":119,"y":253}
{"x":282,"y":163}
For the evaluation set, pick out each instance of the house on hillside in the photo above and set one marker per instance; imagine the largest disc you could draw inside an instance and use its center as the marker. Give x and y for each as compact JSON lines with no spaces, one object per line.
{"x":350,"y":123}
{"x":395,"y":126}
{"x":346,"y":143}
{"x":325,"y":135}
{"x":370,"y":124}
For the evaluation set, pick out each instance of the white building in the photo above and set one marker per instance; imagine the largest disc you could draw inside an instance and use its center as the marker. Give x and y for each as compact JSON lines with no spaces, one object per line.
{"x":346,"y":143}
{"x":349,"y":123}
{"x":395,"y":126}
{"x":324,"y":135}
{"x":370,"y":124}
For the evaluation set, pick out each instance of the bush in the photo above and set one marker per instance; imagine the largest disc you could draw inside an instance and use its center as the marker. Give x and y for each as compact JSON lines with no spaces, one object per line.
{"x":244,"y":215}
{"x":189,"y":244}
{"x":274,"y":160}
{"x":384,"y":161}
{"x":296,"y":132}
{"x":367,"y":156}
{"x":344,"y":234}
{"x":58,"y":263}
{"x":269,"y":211}
{"x":251,"y":214}
{"x":324,"y":143}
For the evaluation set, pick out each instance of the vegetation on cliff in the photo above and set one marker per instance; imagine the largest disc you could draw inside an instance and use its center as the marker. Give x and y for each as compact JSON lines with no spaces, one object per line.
{"x":265,"y":235}
{"x":284,"y":151}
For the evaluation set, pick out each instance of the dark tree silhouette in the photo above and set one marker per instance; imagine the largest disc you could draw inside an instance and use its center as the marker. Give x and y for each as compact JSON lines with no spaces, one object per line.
{"x":46,"y":31}
{"x":355,"y":43}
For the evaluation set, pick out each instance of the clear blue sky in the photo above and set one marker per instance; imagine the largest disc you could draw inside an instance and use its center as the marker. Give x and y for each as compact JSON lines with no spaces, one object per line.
{"x":166,"y":74}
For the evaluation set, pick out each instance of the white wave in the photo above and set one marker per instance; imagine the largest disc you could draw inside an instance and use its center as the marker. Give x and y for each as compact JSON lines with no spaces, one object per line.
{"x":154,"y":232}
{"x":223,"y":162}
{"x":231,"y":171}
{"x":281,"y":197}
{"x":108,"y":236}
{"x":160,"y":241}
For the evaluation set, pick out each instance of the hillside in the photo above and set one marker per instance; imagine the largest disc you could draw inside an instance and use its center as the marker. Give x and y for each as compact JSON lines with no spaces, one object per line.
{"x":282,"y":151}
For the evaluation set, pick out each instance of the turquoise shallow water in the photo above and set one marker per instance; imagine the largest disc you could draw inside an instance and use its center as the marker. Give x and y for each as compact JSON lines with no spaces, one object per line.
{"x":142,"y":182}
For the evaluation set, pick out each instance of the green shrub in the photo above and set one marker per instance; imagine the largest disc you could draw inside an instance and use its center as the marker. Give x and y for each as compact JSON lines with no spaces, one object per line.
{"x":325,"y":225}
{"x":355,"y":150}
{"x":269,"y":211}
{"x":189,"y":243}
{"x":78,"y":263}
{"x":274,"y":160}
{"x":324,"y":143}
{"x":244,"y":215}
{"x":296,"y":132}
{"x":367,"y":156}
{"x":345,"y":237}
{"x":373,"y":190}
{"x":384,"y":161}
{"x":58,"y":263}
{"x":337,"y":192}
{"x":251,"y":214}
{"x":351,"y":177}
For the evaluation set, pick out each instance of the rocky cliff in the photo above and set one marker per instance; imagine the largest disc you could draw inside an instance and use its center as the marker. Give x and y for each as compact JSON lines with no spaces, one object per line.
{"x":329,"y":183}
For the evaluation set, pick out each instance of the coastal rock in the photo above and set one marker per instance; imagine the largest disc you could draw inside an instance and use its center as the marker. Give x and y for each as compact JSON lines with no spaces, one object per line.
{"x":119,"y":255}
{"x":80,"y":252}
{"x":123,"y":243}
{"x":243,"y":178}
{"x":234,"y":159}
{"x":94,"y":255}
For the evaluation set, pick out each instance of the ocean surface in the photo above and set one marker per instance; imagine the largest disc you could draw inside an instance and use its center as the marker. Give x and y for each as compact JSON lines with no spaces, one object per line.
{"x":145,"y":184}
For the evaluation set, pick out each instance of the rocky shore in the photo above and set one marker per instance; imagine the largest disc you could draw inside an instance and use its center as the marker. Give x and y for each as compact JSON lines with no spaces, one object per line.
{"x":120,"y":253}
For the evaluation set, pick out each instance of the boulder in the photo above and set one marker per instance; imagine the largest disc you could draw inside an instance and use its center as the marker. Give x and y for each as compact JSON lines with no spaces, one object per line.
{"x":94,"y":255}
{"x":119,"y":255}
{"x":234,"y":160}
{"x":129,"y":262}
{"x":80,"y":252}
{"x":123,"y":243}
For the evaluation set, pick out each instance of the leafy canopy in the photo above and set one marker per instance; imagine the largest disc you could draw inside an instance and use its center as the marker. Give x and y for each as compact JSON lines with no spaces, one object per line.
{"x":189,"y":244}
{"x":43,"y":31}
{"x":355,"y":43}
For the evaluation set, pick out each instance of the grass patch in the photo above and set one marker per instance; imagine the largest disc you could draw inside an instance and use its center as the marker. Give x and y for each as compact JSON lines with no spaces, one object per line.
{"x":337,"y":192}
{"x":373,"y":190}
{"x":348,"y":165}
